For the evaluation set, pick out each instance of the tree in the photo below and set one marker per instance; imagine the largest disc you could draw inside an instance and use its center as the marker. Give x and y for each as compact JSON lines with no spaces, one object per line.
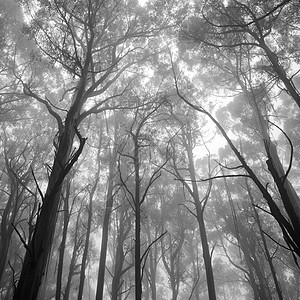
{"x":172,"y":243}
{"x":139,"y":141}
{"x":108,"y":209}
{"x":288,"y":226}
{"x":92,"y":44}
{"x":189,"y":181}
{"x":233,"y":25}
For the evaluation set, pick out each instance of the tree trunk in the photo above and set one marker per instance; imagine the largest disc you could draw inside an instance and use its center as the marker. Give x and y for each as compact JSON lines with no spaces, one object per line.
{"x":268,"y":256}
{"x":288,"y":83}
{"x":120,"y":256}
{"x":137,"y":206}
{"x":72,"y":267}
{"x":206,"y":253}
{"x":38,"y":249}
{"x":105,"y":226}
{"x":10,"y":212}
{"x":63,"y":243}
{"x":86,"y":248}
{"x":92,"y":192}
{"x":153,"y":260}
{"x":200,"y":218}
{"x":288,"y":194}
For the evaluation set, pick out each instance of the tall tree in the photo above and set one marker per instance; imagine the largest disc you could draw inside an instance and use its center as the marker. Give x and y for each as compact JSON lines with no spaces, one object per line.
{"x":93,"y":44}
{"x":233,"y":24}
{"x":112,"y":154}
{"x":140,"y":141}
{"x":186,"y":162}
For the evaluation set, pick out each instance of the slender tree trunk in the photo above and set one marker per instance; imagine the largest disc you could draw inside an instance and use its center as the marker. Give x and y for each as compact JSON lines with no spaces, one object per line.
{"x":86,"y":248}
{"x":153,"y":260}
{"x":85,"y":254}
{"x":10,"y":213}
{"x":173,"y":267}
{"x":105,"y":226}
{"x":200,"y":218}
{"x":72,"y":267}
{"x":63,"y":243}
{"x":206,"y":253}
{"x":256,"y":272}
{"x":137,"y":206}
{"x":124,"y":229}
{"x":268,"y":256}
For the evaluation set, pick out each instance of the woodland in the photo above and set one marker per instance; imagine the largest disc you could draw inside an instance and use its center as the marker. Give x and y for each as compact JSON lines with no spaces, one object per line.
{"x":150,"y":149}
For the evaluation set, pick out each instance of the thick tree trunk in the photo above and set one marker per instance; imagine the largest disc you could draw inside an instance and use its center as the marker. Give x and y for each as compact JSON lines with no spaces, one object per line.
{"x":6,"y":233}
{"x":288,"y":83}
{"x":289,"y":197}
{"x":288,"y":194}
{"x":38,"y":248}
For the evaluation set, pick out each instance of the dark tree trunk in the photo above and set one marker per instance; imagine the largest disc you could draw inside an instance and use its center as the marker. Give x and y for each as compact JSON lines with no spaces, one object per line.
{"x":105,"y":226}
{"x":86,"y":248}
{"x":153,"y":260}
{"x":200,"y":218}
{"x":38,"y":248}
{"x":124,"y":229}
{"x":72,"y":267}
{"x":62,"y":246}
{"x":11,"y":211}
{"x":267,"y":252}
{"x":137,"y":206}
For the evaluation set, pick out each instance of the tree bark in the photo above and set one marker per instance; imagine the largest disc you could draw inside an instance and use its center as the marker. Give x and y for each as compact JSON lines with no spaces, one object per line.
{"x":62,"y":246}
{"x":86,"y":248}
{"x":200,"y":218}
{"x":38,"y":249}
{"x":105,"y":226}
{"x":267,"y":252}
{"x":137,"y":206}
{"x":124,"y":229}
{"x":72,"y":267}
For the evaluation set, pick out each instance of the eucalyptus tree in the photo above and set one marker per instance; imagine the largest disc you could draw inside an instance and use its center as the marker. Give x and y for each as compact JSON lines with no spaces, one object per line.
{"x":111,"y":191}
{"x":229,"y":38}
{"x":258,"y":97}
{"x":269,"y":29}
{"x":16,"y":177}
{"x":288,"y":228}
{"x":157,"y":218}
{"x":141,"y":149}
{"x":183,"y":167}
{"x":236,"y":220}
{"x":93,"y":43}
{"x":121,"y":248}
{"x":176,"y":221}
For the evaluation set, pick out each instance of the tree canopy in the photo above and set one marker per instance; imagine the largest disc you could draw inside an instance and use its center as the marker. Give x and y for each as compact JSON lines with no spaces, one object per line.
{"x":149,"y":149}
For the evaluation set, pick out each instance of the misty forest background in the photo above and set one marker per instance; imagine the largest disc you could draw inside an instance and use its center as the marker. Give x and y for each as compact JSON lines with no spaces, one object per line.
{"x":149,"y":149}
